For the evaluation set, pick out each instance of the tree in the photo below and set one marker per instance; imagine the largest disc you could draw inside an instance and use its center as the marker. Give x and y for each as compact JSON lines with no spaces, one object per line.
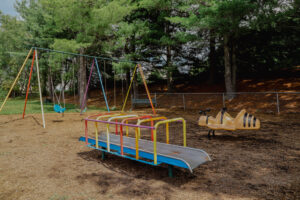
{"x":224,"y":19}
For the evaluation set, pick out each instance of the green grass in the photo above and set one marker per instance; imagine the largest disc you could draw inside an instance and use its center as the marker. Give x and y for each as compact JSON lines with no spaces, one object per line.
{"x":16,"y":106}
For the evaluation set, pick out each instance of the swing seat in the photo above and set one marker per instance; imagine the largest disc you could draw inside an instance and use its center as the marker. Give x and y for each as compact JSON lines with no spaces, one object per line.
{"x":59,"y":109}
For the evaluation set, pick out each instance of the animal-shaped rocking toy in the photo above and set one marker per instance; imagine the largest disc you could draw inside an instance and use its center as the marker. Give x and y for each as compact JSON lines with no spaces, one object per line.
{"x":223,"y":121}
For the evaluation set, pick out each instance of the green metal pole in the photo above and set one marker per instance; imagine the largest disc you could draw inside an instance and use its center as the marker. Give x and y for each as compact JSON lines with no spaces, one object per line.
{"x":170,"y":171}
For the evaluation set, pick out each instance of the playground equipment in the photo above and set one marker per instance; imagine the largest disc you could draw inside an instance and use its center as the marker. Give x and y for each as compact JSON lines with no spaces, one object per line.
{"x":142,"y":102}
{"x":145,"y":151}
{"x":224,"y":121}
{"x":57,"y":107}
{"x":34,"y":57}
{"x":145,"y":85}
{"x":88,"y":83}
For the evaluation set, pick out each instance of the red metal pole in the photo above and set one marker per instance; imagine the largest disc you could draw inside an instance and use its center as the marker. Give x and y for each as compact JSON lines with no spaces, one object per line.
{"x":28,"y":86}
{"x":121,"y":139}
{"x":116,"y":127}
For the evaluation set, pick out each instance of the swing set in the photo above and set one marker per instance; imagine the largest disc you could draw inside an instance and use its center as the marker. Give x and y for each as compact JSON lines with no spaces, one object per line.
{"x":57,"y":107}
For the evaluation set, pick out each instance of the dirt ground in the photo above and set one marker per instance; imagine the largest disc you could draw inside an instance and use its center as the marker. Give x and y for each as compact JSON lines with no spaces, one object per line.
{"x":51,"y":163}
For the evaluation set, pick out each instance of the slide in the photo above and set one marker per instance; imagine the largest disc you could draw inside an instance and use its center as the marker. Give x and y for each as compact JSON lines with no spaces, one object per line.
{"x":184,"y":157}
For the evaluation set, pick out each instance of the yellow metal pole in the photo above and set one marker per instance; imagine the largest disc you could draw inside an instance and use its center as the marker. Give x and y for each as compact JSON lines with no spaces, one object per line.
{"x":136,"y":144}
{"x":107,"y":128}
{"x":154,"y":147}
{"x":120,"y":117}
{"x":127,"y":129}
{"x":124,"y":104}
{"x":148,"y":120}
{"x":96,"y":135}
{"x":107,"y":138}
{"x":175,"y":120}
{"x":184,"y":132}
{"x":16,"y":79}
{"x":167,"y":133}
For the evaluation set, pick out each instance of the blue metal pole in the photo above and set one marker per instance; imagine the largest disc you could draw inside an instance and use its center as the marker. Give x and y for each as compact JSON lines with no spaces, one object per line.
{"x":99,"y":74}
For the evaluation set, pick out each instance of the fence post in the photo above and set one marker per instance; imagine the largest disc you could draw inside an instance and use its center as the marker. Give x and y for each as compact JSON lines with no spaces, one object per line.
{"x":277,"y":99}
{"x":183,"y":101}
{"x":223,"y":95}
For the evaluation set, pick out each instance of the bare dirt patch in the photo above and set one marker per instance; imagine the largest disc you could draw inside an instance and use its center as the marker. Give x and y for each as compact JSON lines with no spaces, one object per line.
{"x":51,"y":163}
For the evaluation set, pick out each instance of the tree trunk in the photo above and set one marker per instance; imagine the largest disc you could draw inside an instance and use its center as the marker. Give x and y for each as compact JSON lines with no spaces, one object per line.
{"x":169,"y":70}
{"x":212,"y":58}
{"x":82,"y":80}
{"x":51,"y":92}
{"x":127,"y":79}
{"x":135,"y":82}
{"x":228,"y":70}
{"x":234,"y":67}
{"x":44,"y":82}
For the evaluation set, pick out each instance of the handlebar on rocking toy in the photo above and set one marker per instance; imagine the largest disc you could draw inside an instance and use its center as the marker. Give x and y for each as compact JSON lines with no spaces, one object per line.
{"x":203,"y":112}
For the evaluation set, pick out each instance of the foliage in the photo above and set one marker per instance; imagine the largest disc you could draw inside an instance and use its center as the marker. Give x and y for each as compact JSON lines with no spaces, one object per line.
{"x":173,"y":36}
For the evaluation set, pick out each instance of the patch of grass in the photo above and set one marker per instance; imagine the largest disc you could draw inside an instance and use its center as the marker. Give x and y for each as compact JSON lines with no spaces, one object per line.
{"x":16,"y":106}
{"x":57,"y":197}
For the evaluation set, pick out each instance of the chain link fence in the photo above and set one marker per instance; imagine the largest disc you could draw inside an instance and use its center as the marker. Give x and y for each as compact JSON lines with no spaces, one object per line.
{"x":262,"y":102}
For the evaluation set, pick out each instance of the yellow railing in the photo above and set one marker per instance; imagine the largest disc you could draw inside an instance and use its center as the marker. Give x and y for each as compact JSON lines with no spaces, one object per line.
{"x":119,"y":117}
{"x":138,"y":132}
{"x":150,"y":120}
{"x":107,"y":134}
{"x":166,"y":122}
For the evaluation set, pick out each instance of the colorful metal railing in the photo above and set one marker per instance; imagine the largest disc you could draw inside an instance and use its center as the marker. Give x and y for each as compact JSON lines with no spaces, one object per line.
{"x":155,"y":133}
{"x":151,"y":120}
{"x":112,"y":119}
{"x":107,"y":135}
{"x":86,"y":125}
{"x":127,"y":131}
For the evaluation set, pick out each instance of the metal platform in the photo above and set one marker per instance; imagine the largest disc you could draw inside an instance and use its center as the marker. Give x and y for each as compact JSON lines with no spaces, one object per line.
{"x":175,"y":155}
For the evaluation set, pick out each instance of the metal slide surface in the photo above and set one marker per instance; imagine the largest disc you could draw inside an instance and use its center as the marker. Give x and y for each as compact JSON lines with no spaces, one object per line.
{"x":185,"y":157}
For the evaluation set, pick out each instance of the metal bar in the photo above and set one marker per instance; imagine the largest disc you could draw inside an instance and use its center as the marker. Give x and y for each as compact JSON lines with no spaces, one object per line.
{"x":149,"y":120}
{"x":107,"y":138}
{"x":86,"y":132}
{"x":119,"y":117}
{"x":103,"y":90}
{"x":16,"y":79}
{"x":84,"y":55}
{"x":146,"y":87}
{"x":40,"y":90}
{"x":128,"y":157}
{"x":133,"y":118}
{"x":223,"y":96}
{"x":96,"y":134}
{"x":97,"y":115}
{"x":28,"y":86}
{"x":133,"y":74}
{"x":175,"y":120}
{"x":130,"y":125}
{"x":87,"y":87}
